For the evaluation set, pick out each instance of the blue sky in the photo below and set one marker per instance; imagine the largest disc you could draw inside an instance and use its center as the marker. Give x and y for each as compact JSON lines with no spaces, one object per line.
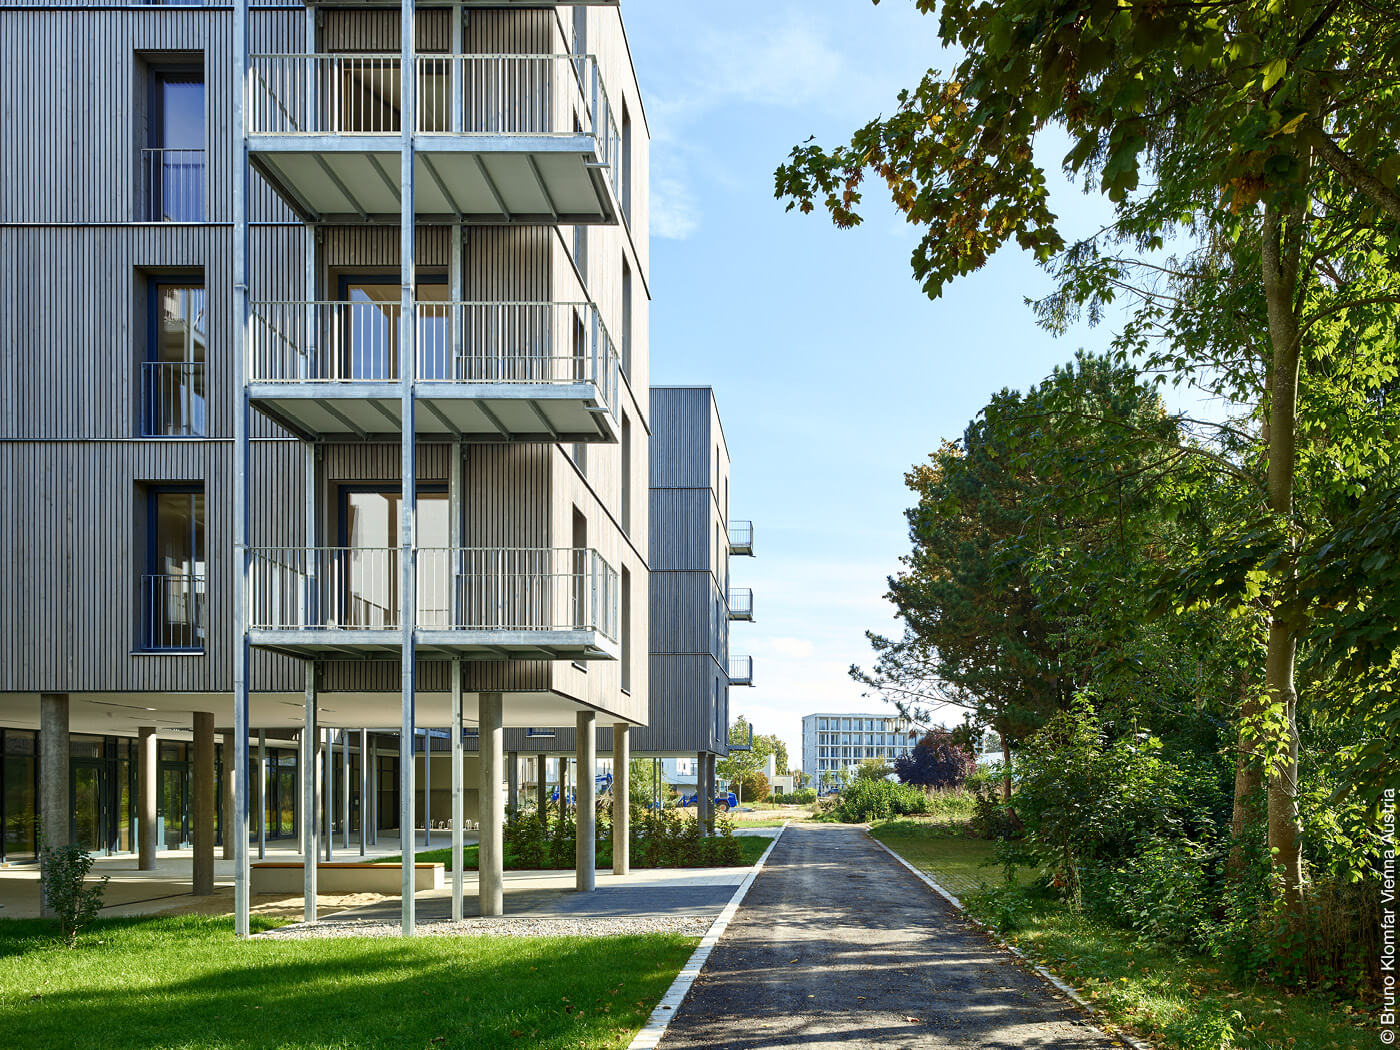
{"x":833,"y":372}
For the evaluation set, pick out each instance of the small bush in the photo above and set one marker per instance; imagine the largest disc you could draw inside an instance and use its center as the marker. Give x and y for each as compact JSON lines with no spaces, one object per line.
{"x":867,"y":800}
{"x":800,"y":797}
{"x":751,"y":787}
{"x":65,"y":869}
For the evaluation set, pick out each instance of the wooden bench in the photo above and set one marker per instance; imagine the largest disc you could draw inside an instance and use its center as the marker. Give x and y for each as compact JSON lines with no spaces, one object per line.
{"x":342,"y":877}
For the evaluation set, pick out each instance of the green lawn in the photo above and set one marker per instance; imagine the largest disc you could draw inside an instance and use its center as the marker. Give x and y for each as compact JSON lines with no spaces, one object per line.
{"x":186,"y":982}
{"x":752,"y":847}
{"x":1181,"y":1002}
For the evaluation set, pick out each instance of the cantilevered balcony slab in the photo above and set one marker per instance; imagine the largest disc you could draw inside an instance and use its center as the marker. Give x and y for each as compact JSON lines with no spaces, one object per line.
{"x":475,"y":603}
{"x":482,"y":371}
{"x":498,"y":138}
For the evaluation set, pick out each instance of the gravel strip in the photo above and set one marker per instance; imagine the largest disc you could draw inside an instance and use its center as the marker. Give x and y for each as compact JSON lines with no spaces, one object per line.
{"x":688,"y":925}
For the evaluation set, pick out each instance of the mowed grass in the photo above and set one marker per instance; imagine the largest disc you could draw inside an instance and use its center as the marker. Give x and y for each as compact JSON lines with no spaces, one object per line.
{"x":1178,"y":1001}
{"x":750,"y":846}
{"x":186,"y":982}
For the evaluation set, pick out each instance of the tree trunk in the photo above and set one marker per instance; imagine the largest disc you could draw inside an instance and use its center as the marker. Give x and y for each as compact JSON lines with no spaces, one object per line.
{"x":1005,"y":770}
{"x":1280,"y":254}
{"x":1248,"y":779}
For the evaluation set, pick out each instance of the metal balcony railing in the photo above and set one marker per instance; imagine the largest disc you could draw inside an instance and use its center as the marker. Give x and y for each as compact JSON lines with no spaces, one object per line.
{"x":173,"y":399}
{"x":459,"y":589}
{"x":462,"y":342}
{"x":740,"y":603}
{"x":172,"y":185}
{"x":741,"y":537}
{"x":741,"y":670}
{"x":486,"y":94}
{"x":173,"y":610}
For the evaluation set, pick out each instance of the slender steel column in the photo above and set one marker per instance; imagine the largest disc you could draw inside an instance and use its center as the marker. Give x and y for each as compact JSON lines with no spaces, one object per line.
{"x":310,"y":797}
{"x":622,"y":798}
{"x":345,"y":785}
{"x":458,"y":814}
{"x":541,"y":786}
{"x":427,"y":790}
{"x":374,"y":791}
{"x":238,"y":358}
{"x":262,"y":794}
{"x":328,"y":789}
{"x":585,"y":804}
{"x":408,"y":600}
{"x":202,"y":804}
{"x":364,"y":790}
{"x":147,"y":763}
{"x":512,"y":783}
{"x":490,"y":864}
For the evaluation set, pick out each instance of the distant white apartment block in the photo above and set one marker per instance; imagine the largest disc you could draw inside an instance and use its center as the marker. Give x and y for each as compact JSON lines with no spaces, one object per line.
{"x":838,"y":743}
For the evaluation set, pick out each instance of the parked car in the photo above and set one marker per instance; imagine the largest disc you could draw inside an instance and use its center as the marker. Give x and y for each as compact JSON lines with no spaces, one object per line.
{"x":727,"y":802}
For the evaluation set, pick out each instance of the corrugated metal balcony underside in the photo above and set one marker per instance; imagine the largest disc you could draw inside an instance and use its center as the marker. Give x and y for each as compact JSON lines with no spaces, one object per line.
{"x":476,"y":644}
{"x":468,"y":178}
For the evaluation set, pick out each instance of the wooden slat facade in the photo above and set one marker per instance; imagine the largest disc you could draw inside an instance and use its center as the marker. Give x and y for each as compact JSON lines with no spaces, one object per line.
{"x":75,"y":261}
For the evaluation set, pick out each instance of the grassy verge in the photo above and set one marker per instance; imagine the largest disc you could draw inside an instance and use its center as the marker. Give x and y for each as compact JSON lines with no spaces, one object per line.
{"x":1181,"y":1002}
{"x":185,"y":982}
{"x":751,"y":847}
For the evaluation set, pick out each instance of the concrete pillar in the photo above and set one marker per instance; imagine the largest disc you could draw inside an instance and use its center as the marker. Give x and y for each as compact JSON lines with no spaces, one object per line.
{"x":541,"y":786}
{"x":147,"y":785}
{"x":702,"y":796}
{"x":586,"y":812}
{"x":364,"y":790}
{"x":459,"y":816}
{"x":226,"y":820}
{"x":261,"y":798}
{"x":345,"y":785}
{"x":513,"y":783}
{"x":374,"y":791}
{"x":310,"y":798}
{"x":563,"y":784}
{"x":622,"y":798}
{"x":202,"y":803}
{"x":55,"y":805}
{"x":491,"y":862}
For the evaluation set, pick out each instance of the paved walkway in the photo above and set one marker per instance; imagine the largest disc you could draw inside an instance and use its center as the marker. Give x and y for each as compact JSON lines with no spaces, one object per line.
{"x":837,"y":945}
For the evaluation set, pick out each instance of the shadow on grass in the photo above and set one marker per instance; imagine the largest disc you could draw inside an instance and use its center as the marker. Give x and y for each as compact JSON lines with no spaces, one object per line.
{"x":186,"y":982}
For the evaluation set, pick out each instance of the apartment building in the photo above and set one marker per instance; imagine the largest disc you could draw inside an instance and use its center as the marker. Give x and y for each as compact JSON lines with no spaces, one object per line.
{"x":693,"y":604}
{"x":326,"y":414}
{"x":836,"y":744}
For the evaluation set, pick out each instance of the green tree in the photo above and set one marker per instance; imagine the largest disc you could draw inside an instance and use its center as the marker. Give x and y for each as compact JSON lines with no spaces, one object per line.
{"x":873,"y":769}
{"x":1268,"y":130}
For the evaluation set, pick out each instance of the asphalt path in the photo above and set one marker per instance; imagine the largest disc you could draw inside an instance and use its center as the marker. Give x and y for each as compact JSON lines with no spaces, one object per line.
{"x":838,"y":945}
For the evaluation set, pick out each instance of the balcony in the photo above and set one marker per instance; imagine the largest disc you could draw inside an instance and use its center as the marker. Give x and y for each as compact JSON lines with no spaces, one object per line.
{"x":741,"y":538}
{"x":498,"y":138}
{"x":483,"y":371}
{"x":173,"y":399}
{"x":478,"y":603}
{"x":173,"y":612}
{"x":741,"y":603}
{"x":741,"y":670}
{"x":172,"y":185}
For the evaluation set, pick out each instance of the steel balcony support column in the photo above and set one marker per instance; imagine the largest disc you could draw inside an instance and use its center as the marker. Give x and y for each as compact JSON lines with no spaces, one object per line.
{"x":585,"y":808}
{"x":239,"y":217}
{"x":408,"y":611}
{"x":364,"y":790}
{"x":458,"y":815}
{"x":310,"y":812}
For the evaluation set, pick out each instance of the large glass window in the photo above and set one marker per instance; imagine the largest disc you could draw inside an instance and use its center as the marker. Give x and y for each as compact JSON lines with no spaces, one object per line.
{"x":174,"y":157}
{"x":173,"y":606}
{"x":18,"y":795}
{"x":369,"y":528}
{"x":367,"y":327}
{"x":174,"y":403}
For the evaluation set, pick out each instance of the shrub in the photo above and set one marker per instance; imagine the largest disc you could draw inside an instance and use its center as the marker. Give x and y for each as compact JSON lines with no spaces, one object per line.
{"x":873,"y":769}
{"x":800,"y":797}
{"x":1162,"y":892}
{"x":935,"y":761}
{"x":754,"y":786}
{"x":65,"y":869}
{"x":867,"y":800}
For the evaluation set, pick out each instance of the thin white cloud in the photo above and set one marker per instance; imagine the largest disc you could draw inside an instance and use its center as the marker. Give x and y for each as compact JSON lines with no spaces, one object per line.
{"x":675,"y":214}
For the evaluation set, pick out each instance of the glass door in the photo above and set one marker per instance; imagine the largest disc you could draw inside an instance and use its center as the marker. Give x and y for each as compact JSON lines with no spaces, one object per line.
{"x":86,"y":784}
{"x":173,"y":824}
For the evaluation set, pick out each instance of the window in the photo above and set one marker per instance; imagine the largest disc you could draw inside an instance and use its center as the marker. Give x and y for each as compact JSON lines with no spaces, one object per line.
{"x":539,"y":733}
{"x":173,"y":596}
{"x":579,"y":569}
{"x":626,"y":319}
{"x":19,"y":795}
{"x":369,"y":530}
{"x":626,"y":630}
{"x":626,"y":475}
{"x":172,"y":372}
{"x":364,"y":328}
{"x":173,"y":160}
{"x":626,"y":163}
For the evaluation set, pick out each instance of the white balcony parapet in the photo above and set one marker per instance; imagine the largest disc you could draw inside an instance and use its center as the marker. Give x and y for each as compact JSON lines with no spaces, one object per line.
{"x":741,"y":537}
{"x":482,"y":369}
{"x":496,"y":602}
{"x":498,"y":137}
